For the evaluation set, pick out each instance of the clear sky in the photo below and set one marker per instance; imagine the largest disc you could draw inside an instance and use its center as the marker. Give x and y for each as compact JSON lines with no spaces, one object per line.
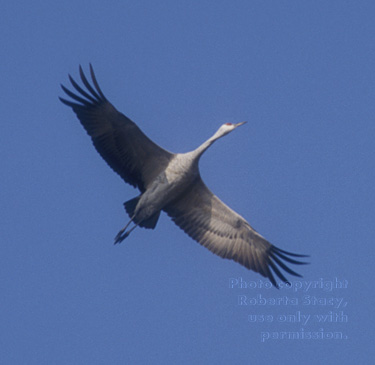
{"x":301,"y":171}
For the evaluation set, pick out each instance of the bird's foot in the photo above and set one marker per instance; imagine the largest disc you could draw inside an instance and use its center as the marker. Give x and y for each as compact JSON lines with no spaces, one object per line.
{"x":121,"y":236}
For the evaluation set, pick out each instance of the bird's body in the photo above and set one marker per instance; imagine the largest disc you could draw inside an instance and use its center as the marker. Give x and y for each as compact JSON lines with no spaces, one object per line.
{"x":171,"y":182}
{"x":167,"y":186}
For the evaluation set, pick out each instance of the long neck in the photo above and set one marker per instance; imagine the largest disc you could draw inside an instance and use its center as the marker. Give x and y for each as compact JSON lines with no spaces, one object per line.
{"x":203,"y":147}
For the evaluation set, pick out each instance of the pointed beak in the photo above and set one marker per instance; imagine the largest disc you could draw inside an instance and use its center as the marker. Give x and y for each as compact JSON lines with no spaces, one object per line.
{"x":238,"y":124}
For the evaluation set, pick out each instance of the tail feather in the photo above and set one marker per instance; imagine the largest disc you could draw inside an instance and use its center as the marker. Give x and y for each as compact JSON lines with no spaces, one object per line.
{"x":130,"y":206}
{"x":150,"y":222}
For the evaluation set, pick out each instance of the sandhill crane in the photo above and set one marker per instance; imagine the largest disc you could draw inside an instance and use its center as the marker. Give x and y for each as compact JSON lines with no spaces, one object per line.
{"x":171,"y":182}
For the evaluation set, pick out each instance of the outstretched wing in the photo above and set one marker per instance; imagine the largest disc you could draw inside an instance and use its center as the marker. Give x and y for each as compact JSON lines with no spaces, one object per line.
{"x":206,"y":219}
{"x":126,"y":149}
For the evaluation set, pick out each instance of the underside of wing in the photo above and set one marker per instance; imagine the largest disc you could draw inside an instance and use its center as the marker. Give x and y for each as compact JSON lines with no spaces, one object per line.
{"x":206,"y":219}
{"x":126,"y":149}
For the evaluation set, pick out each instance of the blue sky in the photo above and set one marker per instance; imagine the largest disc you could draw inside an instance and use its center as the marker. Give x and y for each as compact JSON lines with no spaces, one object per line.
{"x":301,"y":171}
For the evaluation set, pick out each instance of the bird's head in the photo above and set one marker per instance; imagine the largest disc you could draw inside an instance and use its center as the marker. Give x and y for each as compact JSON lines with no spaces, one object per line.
{"x":226,"y":128}
{"x":221,"y":132}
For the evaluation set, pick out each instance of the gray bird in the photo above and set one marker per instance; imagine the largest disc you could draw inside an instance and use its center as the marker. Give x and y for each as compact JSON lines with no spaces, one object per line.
{"x":171,"y":182}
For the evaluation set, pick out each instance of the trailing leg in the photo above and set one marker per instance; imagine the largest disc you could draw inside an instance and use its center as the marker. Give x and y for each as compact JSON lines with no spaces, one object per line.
{"x":121,"y":235}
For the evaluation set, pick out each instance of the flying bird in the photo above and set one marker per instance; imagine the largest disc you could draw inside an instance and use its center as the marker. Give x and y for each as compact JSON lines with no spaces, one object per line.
{"x":171,"y":182}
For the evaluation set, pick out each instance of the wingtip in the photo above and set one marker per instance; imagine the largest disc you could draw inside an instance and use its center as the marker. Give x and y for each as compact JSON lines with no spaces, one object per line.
{"x":64,"y":101}
{"x":82,"y":74}
{"x":63,"y":88}
{"x":289,"y":253}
